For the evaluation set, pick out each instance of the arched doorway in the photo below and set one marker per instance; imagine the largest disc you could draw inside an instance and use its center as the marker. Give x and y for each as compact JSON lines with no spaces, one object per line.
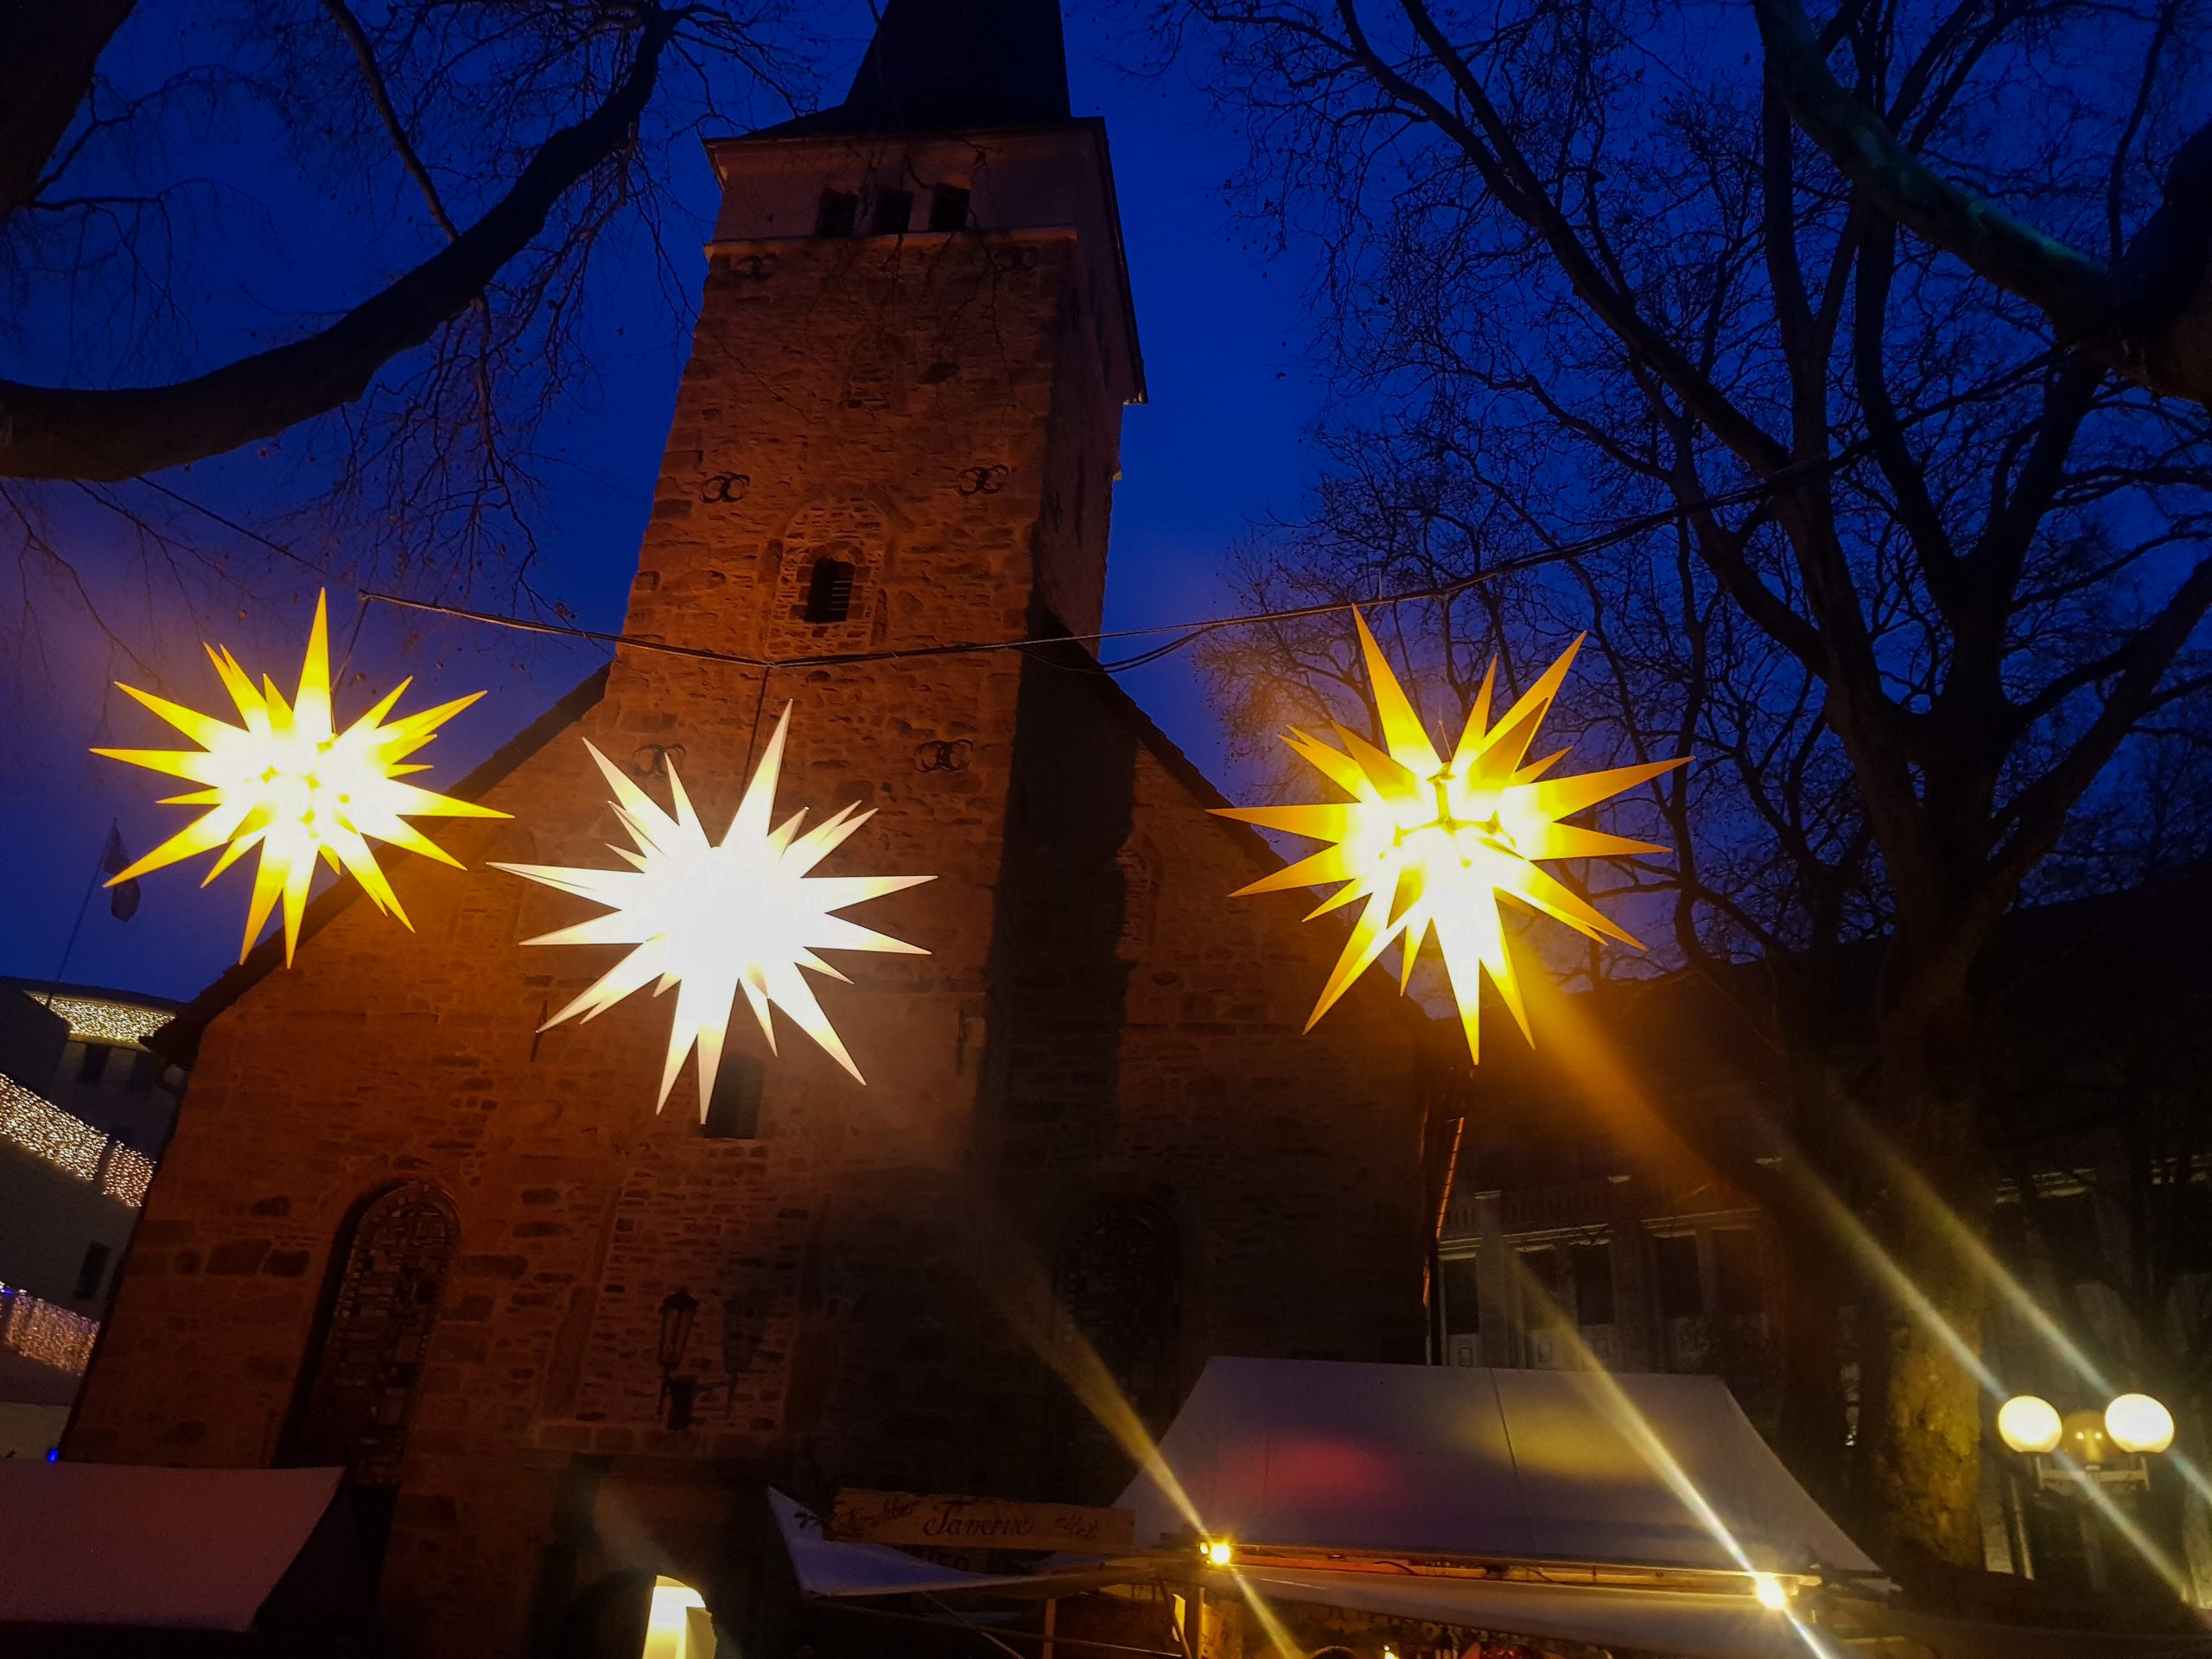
{"x":381,"y":1305}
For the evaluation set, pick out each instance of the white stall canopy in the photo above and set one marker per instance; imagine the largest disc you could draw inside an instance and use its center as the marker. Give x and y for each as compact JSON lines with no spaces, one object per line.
{"x":1662,"y":1472}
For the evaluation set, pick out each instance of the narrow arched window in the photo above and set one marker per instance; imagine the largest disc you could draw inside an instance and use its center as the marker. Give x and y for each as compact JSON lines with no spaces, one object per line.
{"x":383,"y":1307}
{"x":830,"y":591}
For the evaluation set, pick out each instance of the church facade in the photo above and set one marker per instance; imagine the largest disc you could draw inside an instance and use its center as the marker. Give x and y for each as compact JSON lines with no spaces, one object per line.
{"x":402,"y":1228}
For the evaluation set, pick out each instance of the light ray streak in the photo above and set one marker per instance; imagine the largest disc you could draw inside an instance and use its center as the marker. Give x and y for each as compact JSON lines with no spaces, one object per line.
{"x":2019,"y":1300}
{"x":1654,"y":1452}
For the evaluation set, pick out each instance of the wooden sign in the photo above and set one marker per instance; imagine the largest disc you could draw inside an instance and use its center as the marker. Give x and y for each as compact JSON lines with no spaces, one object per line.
{"x":952,"y":1522}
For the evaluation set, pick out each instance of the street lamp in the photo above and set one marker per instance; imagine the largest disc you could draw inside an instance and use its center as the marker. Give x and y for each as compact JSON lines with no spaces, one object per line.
{"x":2077,"y":1453}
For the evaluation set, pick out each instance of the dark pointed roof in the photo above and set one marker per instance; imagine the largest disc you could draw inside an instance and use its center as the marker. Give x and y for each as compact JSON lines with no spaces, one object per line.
{"x":939,"y":64}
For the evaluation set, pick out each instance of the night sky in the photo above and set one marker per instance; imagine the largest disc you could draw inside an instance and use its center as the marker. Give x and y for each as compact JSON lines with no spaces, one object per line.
{"x":1217,"y":448}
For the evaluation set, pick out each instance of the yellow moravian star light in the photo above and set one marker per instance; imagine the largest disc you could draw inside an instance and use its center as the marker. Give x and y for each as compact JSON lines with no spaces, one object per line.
{"x":1428,"y":844}
{"x":716,"y":920}
{"x":291,"y":783}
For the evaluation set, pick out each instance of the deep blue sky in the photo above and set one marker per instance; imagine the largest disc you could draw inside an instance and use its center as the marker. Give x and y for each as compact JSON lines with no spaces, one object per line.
{"x":1218,"y":447}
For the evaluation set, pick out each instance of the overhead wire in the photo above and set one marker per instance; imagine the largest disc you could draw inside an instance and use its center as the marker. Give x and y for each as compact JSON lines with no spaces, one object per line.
{"x":1184,"y":634}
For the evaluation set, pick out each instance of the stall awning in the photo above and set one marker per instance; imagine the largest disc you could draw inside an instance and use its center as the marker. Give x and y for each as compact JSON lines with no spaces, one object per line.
{"x":1588,"y":1466}
{"x":206,"y":1549}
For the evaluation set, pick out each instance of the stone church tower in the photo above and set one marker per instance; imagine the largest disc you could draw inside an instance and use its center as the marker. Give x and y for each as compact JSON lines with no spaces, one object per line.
{"x":400,"y":1229}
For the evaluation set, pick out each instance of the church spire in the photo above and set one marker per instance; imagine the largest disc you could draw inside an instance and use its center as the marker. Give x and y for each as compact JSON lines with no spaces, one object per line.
{"x":938,"y":65}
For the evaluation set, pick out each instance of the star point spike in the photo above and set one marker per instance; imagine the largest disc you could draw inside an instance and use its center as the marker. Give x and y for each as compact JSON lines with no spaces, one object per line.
{"x":718,"y":921}
{"x":291,"y":784}
{"x":1429,"y":847}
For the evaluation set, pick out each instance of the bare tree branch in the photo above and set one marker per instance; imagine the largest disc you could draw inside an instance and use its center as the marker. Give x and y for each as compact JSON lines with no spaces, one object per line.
{"x":65,"y":432}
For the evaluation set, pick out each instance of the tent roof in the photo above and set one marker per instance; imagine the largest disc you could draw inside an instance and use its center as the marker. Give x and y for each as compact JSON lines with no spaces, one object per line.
{"x":92,"y":1543}
{"x":1590,"y":1466}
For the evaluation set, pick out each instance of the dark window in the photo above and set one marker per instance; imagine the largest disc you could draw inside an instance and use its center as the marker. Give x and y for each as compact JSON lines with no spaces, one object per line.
{"x":1736,"y":1271}
{"x":1593,"y":1266}
{"x":92,"y":1065}
{"x":382,"y":1308}
{"x":94,"y":1269}
{"x":1681,"y":1296}
{"x":734,"y":1109}
{"x":1541,"y":1281}
{"x":893,"y":211}
{"x":830,"y":591}
{"x":949,"y":208}
{"x":144,"y":1068}
{"x":2066,"y":1226}
{"x":836,"y":215}
{"x":1462,"y":1307}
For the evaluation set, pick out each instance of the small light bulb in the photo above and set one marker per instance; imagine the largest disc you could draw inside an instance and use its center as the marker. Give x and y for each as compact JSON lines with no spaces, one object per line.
{"x":1770,"y":1591}
{"x":1217,"y":1552}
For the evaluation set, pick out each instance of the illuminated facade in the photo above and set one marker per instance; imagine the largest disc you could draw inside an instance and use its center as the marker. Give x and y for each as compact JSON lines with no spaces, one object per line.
{"x":452,"y":1244}
{"x":85,"y":1110}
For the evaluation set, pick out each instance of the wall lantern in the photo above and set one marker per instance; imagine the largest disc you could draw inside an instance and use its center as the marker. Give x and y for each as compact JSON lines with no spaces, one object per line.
{"x":680,"y":1393}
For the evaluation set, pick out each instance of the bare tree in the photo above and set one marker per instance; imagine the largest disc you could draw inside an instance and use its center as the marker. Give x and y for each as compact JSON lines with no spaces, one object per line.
{"x":169,"y":181}
{"x":1939,"y":561}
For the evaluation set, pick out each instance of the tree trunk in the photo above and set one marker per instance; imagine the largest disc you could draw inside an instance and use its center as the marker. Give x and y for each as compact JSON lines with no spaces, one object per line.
{"x":1920,"y":1406}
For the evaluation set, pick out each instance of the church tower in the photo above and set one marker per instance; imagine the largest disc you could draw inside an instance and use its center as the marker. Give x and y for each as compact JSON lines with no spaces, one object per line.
{"x":558,"y":1339}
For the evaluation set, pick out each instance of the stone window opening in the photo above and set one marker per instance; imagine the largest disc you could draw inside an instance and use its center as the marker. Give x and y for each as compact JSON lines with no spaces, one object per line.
{"x":733,"y":1108}
{"x":830,"y":591}
{"x":892,"y":212}
{"x":949,"y":208}
{"x":839,"y":210}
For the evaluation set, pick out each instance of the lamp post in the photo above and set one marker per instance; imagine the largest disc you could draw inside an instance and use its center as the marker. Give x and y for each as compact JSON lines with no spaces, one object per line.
{"x":2075,"y":1453}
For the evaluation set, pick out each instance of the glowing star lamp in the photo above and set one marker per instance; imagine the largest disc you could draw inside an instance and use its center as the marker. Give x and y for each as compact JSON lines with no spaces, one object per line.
{"x":291,"y":783}
{"x":715,"y":920}
{"x":1429,"y":844}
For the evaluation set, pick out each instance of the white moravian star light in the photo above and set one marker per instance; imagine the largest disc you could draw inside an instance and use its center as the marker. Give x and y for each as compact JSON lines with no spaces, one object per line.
{"x":746,"y":915}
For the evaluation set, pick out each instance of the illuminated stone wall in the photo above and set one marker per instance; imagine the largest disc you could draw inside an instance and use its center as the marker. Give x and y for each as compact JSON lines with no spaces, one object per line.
{"x":1096,"y":1022}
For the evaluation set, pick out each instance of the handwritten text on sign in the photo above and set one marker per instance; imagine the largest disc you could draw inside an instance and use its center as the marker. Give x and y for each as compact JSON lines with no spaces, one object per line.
{"x":991,"y":1522}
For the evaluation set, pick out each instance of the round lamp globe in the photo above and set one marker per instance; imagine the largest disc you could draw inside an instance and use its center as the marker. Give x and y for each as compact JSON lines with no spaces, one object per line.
{"x":2137,"y":1423}
{"x":2030,"y":1424}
